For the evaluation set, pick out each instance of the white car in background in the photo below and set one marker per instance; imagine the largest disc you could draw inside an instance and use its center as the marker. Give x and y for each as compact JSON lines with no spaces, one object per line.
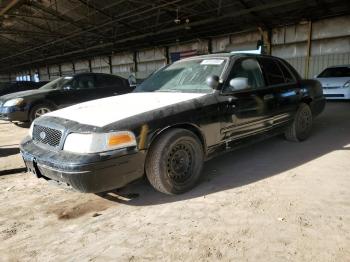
{"x":335,"y":81}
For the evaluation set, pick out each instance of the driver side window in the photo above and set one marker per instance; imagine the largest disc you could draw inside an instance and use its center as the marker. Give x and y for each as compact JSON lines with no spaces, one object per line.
{"x":248,"y":68}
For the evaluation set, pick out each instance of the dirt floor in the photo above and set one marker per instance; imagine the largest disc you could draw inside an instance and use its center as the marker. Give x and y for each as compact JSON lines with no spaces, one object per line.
{"x":273,"y":201}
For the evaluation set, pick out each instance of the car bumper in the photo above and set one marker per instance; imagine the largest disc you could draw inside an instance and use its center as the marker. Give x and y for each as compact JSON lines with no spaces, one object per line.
{"x":13,"y":113}
{"x":88,"y":173}
{"x":337,"y":93}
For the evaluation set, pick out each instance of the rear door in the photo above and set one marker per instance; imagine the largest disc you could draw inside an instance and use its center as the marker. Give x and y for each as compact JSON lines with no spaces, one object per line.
{"x":249,"y":111}
{"x":285,"y":87}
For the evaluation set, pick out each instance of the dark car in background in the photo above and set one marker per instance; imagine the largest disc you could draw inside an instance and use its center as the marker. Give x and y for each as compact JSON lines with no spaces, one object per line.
{"x":12,"y":87}
{"x":62,"y":92}
{"x":182,"y":115}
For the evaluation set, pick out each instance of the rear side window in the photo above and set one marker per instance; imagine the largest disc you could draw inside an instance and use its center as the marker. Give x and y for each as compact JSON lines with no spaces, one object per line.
{"x":287,"y":75}
{"x":109,"y":81}
{"x":273,"y":73}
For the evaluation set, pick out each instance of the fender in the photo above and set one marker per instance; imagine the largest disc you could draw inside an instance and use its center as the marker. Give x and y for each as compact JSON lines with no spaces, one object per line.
{"x":189,"y":126}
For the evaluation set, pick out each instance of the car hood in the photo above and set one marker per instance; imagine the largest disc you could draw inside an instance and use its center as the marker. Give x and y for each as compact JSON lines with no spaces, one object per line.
{"x":102,"y":112}
{"x":333,"y":81}
{"x":24,"y":94}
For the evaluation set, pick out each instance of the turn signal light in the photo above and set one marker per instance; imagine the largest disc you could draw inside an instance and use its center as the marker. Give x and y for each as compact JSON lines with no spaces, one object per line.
{"x":120,"y":139}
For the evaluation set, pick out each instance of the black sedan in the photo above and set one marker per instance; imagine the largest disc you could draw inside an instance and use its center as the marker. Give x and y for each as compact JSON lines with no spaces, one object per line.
{"x":62,"y":92}
{"x":179,"y":117}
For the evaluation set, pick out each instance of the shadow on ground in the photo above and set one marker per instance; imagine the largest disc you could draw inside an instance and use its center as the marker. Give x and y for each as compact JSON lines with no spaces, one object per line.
{"x":253,"y":163}
{"x":8,"y":151}
{"x":12,"y":171}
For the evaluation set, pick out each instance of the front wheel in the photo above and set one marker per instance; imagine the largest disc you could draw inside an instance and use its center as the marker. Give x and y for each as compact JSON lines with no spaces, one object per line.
{"x":174,"y":162}
{"x":38,"y":111}
{"x":301,"y":126}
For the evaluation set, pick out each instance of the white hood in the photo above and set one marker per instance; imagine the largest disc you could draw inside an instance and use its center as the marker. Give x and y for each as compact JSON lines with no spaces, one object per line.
{"x":105,"y":111}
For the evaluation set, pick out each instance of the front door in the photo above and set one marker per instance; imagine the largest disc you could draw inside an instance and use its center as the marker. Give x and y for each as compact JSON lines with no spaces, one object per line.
{"x":80,"y":89}
{"x":249,"y":111}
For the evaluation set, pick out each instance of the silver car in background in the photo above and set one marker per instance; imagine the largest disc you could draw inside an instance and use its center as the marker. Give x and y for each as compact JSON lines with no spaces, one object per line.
{"x":335,"y":81}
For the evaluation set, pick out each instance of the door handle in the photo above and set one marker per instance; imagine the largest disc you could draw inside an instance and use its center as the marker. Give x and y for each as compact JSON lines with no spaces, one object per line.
{"x":268,"y":97}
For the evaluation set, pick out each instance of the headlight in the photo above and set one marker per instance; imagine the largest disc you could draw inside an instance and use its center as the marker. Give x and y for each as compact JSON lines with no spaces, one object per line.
{"x":347,"y":84}
{"x":98,"y":142}
{"x":14,"y":102}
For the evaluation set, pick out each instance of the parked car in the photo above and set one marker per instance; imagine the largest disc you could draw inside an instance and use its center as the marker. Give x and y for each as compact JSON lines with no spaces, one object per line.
{"x":61,"y":92}
{"x":12,"y":87}
{"x":176,"y":119}
{"x":335,"y":81}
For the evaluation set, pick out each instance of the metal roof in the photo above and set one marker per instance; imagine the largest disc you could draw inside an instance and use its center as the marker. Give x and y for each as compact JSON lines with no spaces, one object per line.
{"x":37,"y":32}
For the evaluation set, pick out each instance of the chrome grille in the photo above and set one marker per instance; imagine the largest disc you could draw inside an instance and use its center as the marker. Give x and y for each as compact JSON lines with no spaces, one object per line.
{"x":47,"y":135}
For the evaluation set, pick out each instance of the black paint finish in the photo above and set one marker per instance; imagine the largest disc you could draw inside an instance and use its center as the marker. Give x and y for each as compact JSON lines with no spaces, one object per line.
{"x":222,"y":120}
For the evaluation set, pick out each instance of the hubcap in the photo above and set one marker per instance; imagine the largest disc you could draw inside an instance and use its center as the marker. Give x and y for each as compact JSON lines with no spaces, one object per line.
{"x":41,"y":111}
{"x":180,"y":162}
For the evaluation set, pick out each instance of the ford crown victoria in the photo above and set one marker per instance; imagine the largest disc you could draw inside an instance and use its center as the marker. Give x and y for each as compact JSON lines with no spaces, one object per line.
{"x":179,"y":117}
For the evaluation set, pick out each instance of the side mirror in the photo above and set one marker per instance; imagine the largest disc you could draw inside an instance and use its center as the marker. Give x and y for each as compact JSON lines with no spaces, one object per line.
{"x":239,"y":83}
{"x":213,"y":81}
{"x":132,"y":80}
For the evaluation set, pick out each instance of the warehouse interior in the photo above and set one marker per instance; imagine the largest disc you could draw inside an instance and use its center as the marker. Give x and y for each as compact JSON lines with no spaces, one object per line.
{"x":53,"y":38}
{"x":276,"y":198}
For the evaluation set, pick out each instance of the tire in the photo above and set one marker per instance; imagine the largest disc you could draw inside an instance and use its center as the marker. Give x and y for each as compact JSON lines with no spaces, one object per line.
{"x":174,"y":161}
{"x":301,"y":126}
{"x":38,"y":111}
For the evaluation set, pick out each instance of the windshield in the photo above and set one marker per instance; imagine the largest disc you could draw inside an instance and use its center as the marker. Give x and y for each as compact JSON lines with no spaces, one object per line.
{"x":336,"y":72}
{"x":57,"y":83}
{"x":184,"y":76}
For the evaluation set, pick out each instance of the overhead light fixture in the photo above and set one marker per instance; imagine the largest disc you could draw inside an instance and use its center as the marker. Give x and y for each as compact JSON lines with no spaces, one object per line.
{"x":177,"y":19}
{"x":187,"y":27}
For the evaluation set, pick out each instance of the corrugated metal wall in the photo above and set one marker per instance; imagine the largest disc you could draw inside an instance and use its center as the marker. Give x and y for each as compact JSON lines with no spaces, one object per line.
{"x":330,"y":45}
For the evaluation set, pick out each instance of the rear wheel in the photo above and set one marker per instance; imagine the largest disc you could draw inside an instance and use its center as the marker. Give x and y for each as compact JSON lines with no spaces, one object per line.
{"x":38,"y":111}
{"x":301,"y":126}
{"x":175,"y":161}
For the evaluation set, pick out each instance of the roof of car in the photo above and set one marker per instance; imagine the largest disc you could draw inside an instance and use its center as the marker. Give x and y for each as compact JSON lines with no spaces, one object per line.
{"x":229,"y":55}
{"x":92,"y":73}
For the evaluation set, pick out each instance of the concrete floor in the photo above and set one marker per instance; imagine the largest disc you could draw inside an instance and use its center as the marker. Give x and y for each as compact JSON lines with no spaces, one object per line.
{"x":272,"y":201}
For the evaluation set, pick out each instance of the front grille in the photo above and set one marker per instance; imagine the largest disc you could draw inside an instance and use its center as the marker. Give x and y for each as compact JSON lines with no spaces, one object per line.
{"x":47,"y":135}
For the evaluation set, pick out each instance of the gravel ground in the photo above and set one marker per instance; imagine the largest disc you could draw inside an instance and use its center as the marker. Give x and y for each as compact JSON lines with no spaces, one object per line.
{"x":272,"y":201}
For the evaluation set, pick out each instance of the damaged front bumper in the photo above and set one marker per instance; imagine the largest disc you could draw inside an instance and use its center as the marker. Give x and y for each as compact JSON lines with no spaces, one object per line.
{"x":88,"y":173}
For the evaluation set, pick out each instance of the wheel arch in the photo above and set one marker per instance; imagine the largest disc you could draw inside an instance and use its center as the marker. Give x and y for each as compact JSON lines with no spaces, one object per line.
{"x":307,"y":100}
{"x":188,"y":126}
{"x":40,"y":102}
